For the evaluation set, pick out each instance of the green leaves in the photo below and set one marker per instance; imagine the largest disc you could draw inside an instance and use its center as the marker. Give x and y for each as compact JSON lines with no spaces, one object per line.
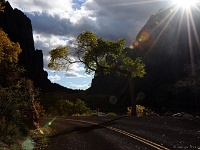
{"x":58,"y":57}
{"x":132,"y":68}
{"x":97,"y":55}
{"x":9,"y":50}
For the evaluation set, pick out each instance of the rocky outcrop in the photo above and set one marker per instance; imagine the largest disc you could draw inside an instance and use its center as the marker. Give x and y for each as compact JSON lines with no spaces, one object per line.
{"x":167,"y":43}
{"x":19,"y":29}
{"x":172,"y":44}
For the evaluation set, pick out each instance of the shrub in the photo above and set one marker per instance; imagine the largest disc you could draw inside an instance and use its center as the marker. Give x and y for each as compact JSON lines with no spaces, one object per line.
{"x":65,"y":107}
{"x":16,"y":114}
{"x":94,"y":114}
{"x":68,"y":108}
{"x":13,"y":105}
{"x":111,"y":114}
{"x":139,"y":110}
{"x":81,"y":108}
{"x":39,"y":108}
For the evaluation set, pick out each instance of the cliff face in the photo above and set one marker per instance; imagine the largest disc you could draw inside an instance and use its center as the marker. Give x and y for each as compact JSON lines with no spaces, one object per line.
{"x":19,"y":29}
{"x":173,"y":36}
{"x":172,"y":43}
{"x":167,"y":43}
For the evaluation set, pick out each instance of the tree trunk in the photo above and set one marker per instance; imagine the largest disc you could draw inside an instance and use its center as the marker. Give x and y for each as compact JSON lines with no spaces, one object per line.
{"x":132,"y":96}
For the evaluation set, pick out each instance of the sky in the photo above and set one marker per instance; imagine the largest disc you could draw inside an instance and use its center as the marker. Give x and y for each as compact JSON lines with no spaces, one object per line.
{"x":59,"y":22}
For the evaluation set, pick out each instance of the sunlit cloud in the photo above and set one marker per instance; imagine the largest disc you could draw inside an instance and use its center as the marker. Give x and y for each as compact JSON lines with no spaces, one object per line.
{"x":76,"y":71}
{"x":54,"y":78}
{"x":72,"y":10}
{"x":59,"y":22}
{"x":50,"y":7}
{"x":79,"y":86}
{"x":72,"y":74}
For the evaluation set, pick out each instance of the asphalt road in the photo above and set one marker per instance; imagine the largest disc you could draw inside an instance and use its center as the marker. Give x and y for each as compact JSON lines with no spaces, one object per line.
{"x":125,"y":133}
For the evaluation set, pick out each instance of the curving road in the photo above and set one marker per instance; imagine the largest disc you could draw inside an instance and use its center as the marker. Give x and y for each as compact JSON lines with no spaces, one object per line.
{"x":125,"y":133}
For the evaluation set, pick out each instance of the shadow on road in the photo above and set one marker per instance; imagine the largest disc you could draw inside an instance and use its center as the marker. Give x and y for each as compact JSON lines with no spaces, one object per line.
{"x":80,"y":130}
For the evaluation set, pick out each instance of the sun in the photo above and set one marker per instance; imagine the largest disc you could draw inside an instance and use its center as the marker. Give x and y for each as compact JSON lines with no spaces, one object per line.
{"x":185,"y":3}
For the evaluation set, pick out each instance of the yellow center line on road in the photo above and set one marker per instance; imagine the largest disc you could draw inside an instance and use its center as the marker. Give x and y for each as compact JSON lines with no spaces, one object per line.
{"x":138,"y":138}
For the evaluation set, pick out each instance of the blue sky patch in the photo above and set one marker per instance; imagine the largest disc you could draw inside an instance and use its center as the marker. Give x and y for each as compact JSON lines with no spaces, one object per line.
{"x":78,"y":3}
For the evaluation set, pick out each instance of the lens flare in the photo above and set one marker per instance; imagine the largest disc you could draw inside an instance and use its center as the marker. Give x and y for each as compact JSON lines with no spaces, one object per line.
{"x":144,"y":36}
{"x":131,"y":47}
{"x":28,"y":144}
{"x":50,"y":122}
{"x":41,"y":131}
{"x":136,"y":43}
{"x":185,"y":3}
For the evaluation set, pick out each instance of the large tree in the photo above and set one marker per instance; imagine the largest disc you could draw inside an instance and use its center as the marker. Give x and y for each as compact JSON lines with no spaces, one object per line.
{"x":99,"y":55}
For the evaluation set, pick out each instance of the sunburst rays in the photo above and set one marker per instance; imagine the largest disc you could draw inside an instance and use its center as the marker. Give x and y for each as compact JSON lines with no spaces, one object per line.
{"x":186,"y":15}
{"x":185,"y":3}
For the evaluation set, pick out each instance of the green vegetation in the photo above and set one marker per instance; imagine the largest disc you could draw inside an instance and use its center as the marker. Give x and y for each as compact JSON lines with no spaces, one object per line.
{"x":68,"y":108}
{"x":39,"y":138}
{"x":101,"y":56}
{"x":139,"y":110}
{"x":111,"y":114}
{"x":189,"y":88}
{"x":17,"y":94}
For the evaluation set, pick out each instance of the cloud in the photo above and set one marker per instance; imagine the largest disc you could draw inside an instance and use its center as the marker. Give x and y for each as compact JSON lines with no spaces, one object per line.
{"x":54,"y":21}
{"x":74,"y":74}
{"x":79,"y":86}
{"x":76,"y":67}
{"x":59,"y":22}
{"x":54,"y":78}
{"x":111,"y":19}
{"x":50,"y":7}
{"x":76,"y":71}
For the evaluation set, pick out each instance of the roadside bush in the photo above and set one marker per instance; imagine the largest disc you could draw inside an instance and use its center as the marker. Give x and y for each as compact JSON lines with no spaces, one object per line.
{"x":94,"y":114}
{"x":12,"y":105}
{"x":139,"y":110}
{"x":68,"y":108}
{"x":81,"y":108}
{"x":16,"y":115}
{"x":65,"y":107}
{"x":52,"y":111}
{"x":111,"y":114}
{"x":39,"y":108}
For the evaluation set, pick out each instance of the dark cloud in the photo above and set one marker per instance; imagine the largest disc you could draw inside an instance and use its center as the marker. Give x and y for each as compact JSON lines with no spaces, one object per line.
{"x":114,"y":19}
{"x":60,"y":22}
{"x":54,"y":25}
{"x":128,"y":9}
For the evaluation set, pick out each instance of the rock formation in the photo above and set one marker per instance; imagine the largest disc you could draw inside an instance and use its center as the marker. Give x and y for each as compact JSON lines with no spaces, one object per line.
{"x":168,"y":42}
{"x":19,"y":29}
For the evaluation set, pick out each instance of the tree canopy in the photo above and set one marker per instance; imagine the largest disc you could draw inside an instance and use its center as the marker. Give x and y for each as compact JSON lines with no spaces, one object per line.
{"x":98,"y":55}
{"x":9,"y":50}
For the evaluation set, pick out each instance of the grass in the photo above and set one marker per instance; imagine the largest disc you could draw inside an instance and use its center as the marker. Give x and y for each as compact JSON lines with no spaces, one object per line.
{"x":40,"y":137}
{"x":36,"y":139}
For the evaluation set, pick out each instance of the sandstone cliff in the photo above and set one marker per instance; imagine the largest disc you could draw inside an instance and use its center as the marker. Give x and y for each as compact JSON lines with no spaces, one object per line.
{"x":19,"y":29}
{"x":167,"y":43}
